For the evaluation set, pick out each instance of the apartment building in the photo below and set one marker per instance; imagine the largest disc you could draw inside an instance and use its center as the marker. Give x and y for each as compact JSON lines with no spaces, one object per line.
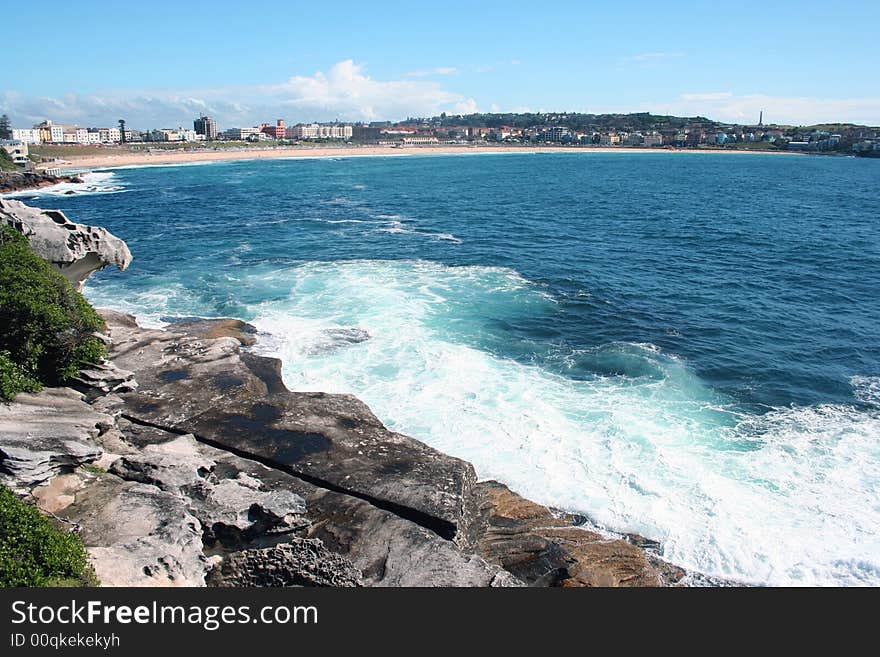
{"x":276,"y":131}
{"x":26,"y":135}
{"x":320,"y":131}
{"x":207,"y":126}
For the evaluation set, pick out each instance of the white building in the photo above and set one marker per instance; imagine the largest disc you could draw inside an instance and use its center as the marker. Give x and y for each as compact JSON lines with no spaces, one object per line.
{"x":110,"y":135}
{"x":241,"y":134}
{"x":49,"y":132}
{"x":302,"y":131}
{"x":419,"y":141}
{"x":337,"y":131}
{"x":177,"y":135}
{"x":26,"y":135}
{"x":75,"y":135}
{"x":319,"y":131}
{"x":56,"y":133}
{"x":94,"y":137}
{"x":18,"y":151}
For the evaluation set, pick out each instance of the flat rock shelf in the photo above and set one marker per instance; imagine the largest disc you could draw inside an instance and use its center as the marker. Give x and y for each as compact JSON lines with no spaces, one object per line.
{"x":203,"y":469}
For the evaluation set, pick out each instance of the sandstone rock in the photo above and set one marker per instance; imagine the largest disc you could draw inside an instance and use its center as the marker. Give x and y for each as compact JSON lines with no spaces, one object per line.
{"x":100,"y":378}
{"x":232,"y":510}
{"x":138,"y":535}
{"x":544,"y":548}
{"x":396,"y":551}
{"x":171,"y":471}
{"x":218,"y":328}
{"x":76,"y":250}
{"x":300,"y":562}
{"x":118,"y":319}
{"x":389,"y":550}
{"x":385,"y":503}
{"x":59,"y":492}
{"x":238,"y":402}
{"x":46,"y":434}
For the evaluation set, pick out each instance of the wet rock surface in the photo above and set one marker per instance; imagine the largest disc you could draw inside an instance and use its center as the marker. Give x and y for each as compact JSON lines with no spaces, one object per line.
{"x":13,"y":181}
{"x":546,"y":548}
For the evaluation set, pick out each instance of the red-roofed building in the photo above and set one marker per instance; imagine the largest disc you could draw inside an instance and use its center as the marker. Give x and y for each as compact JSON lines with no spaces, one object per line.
{"x":275,"y":131}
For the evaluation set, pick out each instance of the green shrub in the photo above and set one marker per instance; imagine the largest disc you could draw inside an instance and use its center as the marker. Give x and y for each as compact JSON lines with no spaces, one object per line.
{"x":6,"y":162}
{"x":46,"y":326}
{"x":35,"y":552}
{"x":13,"y":380}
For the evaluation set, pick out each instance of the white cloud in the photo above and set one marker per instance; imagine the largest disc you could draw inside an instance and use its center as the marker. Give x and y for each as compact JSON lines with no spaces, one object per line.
{"x":439,"y":70}
{"x":794,"y":110}
{"x":468,"y":106}
{"x":345,"y":92}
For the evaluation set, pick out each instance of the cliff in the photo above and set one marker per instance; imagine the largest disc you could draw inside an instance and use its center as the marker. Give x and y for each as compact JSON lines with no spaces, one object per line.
{"x":184,"y":460}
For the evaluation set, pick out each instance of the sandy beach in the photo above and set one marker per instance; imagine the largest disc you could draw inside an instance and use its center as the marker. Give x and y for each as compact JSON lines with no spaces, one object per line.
{"x":120,"y":158}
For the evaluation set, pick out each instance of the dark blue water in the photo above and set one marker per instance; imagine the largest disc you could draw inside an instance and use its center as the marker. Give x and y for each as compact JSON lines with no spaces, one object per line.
{"x":667,"y":337}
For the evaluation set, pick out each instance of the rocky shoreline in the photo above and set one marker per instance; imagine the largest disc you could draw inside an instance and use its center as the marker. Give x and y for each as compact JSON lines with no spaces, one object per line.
{"x":17,"y":181}
{"x":183,"y":460}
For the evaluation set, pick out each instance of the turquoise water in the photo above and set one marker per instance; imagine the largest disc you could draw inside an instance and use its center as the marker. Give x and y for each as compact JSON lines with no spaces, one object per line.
{"x":686,"y":346}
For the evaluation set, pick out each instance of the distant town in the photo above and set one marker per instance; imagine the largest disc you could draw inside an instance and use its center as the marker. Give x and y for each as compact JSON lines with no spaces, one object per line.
{"x":640,"y":130}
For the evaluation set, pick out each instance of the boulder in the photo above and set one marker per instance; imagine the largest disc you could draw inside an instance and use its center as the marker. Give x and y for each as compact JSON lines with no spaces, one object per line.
{"x":46,"y":434}
{"x":218,"y":328}
{"x":261,"y":467}
{"x":76,"y":250}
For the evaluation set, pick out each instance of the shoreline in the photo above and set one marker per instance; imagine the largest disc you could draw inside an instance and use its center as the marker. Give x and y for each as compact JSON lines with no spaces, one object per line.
{"x":12,"y":182}
{"x":171,"y":157}
{"x":184,"y":459}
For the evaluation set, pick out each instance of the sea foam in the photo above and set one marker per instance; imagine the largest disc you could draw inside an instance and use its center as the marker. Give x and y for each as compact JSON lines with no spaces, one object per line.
{"x":96,"y":182}
{"x":788,"y":497}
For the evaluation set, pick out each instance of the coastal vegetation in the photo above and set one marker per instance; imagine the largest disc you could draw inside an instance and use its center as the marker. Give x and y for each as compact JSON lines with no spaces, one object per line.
{"x":50,"y":151}
{"x":64,"y":151}
{"x":47,"y":328}
{"x":6,"y":163}
{"x":34,"y":551}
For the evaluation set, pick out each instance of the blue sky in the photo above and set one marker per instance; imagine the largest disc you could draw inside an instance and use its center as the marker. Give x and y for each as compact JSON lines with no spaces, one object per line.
{"x":160,"y":63}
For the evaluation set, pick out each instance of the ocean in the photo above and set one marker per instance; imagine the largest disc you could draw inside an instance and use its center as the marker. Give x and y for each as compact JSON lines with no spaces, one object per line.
{"x":681,"y":345}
